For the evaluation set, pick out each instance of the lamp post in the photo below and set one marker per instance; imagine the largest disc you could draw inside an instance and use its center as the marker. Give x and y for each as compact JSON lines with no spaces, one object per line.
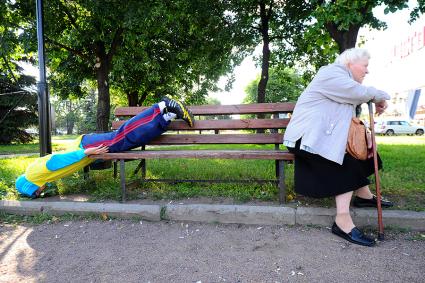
{"x":43,"y":94}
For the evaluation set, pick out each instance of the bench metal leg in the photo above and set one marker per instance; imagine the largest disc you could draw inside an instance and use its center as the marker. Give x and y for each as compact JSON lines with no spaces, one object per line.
{"x":86,"y":172}
{"x":141,"y":166}
{"x":115,"y":169}
{"x":282,"y":188}
{"x":277,"y":168}
{"x":122,"y":176}
{"x":276,"y":147}
{"x":143,"y":161}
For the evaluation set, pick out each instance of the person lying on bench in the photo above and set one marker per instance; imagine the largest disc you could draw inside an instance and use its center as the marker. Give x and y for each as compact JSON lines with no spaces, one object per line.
{"x":136,"y":132}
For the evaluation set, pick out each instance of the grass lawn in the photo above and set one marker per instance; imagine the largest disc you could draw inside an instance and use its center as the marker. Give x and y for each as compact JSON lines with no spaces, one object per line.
{"x":402,"y":178}
{"x":58,"y":143}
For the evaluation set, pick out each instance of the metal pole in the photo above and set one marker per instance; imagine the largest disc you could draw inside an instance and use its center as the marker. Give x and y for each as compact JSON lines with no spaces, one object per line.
{"x":43,"y":94}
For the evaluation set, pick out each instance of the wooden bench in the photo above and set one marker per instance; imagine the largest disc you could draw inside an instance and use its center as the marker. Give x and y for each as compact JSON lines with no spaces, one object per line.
{"x":210,"y":130}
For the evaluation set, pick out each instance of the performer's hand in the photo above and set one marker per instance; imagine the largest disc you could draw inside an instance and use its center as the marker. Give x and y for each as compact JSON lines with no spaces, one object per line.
{"x":96,"y":150}
{"x":380,"y":107}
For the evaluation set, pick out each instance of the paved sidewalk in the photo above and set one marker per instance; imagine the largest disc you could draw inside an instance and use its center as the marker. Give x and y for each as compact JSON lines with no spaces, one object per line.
{"x":219,"y":213}
{"x":170,"y":251}
{"x":166,"y":242}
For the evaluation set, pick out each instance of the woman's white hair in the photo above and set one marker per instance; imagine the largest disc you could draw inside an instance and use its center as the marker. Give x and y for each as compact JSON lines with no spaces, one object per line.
{"x":352,"y":55}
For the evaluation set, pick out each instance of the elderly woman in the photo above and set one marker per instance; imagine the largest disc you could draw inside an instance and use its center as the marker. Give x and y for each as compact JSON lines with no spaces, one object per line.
{"x":317,"y":135}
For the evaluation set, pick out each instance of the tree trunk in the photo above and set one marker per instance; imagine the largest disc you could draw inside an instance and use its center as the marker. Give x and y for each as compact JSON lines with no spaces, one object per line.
{"x":103,"y":99}
{"x":264,"y":28}
{"x":133,"y":97}
{"x":344,"y":38}
{"x":103,"y":66}
{"x":70,"y":118}
{"x":265,"y":63}
{"x":143,"y":98}
{"x":69,"y":127}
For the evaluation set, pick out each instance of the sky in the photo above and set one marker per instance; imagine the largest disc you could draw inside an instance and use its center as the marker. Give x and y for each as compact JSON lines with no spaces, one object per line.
{"x":385,"y":72}
{"x":390,"y":73}
{"x":244,"y":74}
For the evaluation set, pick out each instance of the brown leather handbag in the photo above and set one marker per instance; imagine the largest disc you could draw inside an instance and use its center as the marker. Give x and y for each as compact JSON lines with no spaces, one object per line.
{"x":359,"y":143}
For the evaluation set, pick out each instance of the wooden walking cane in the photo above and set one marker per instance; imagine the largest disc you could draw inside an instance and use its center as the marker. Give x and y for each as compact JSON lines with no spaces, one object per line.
{"x":377,"y":180}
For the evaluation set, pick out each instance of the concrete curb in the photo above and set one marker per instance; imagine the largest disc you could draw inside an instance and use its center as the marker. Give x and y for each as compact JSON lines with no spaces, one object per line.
{"x":392,"y":218}
{"x":148,"y":212}
{"x":243,"y":214}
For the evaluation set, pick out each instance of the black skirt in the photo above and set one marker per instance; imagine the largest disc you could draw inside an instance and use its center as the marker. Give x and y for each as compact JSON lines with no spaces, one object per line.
{"x":319,"y":177}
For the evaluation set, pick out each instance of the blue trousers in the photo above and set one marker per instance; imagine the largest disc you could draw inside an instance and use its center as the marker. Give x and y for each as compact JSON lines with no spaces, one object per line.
{"x":137,"y":131}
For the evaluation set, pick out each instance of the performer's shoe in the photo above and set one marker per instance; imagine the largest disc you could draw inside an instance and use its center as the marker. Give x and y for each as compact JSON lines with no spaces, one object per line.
{"x":355,"y":236}
{"x":179,"y":109}
{"x":373,"y":202}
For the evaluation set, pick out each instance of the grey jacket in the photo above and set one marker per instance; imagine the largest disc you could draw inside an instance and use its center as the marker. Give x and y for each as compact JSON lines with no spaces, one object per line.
{"x":324,"y":110}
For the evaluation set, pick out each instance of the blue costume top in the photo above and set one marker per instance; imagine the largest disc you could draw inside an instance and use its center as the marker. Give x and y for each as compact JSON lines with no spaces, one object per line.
{"x":138,"y":131}
{"x":50,"y":168}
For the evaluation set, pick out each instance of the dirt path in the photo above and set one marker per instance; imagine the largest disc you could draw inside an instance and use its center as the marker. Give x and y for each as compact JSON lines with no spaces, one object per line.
{"x":132,"y":251}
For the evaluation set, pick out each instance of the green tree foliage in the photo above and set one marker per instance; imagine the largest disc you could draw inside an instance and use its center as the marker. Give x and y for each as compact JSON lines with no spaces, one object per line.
{"x":285,"y":85}
{"x":145,"y":48}
{"x":417,"y":11}
{"x":271,"y":23}
{"x":86,"y":123}
{"x":344,"y":18}
{"x":82,"y":38}
{"x":181,"y":48}
{"x":18,"y":104}
{"x":66,"y":115}
{"x":333,"y":27}
{"x":17,"y":109}
{"x":76,"y":115}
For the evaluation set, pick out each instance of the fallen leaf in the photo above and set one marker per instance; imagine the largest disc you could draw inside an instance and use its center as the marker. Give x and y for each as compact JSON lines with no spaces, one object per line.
{"x":104,"y":216}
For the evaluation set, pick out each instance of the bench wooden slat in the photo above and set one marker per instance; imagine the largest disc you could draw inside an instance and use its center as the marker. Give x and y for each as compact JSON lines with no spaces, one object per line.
{"x":223,"y":124}
{"x":212,"y":131}
{"x":211,"y":154}
{"x":255,"y":108}
{"x":170,"y":139}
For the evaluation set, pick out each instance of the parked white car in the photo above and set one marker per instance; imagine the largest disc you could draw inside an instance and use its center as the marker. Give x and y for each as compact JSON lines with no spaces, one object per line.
{"x":397,"y":127}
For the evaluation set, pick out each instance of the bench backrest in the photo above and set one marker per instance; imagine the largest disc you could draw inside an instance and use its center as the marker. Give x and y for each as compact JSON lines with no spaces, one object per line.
{"x":210,"y":130}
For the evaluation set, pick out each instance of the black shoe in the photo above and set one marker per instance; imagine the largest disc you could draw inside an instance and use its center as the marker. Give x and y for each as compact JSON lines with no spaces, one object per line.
{"x":179,"y":109}
{"x":362,"y":202}
{"x":355,"y":236}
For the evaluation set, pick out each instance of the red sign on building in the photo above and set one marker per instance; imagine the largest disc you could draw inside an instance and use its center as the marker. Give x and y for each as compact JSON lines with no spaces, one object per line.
{"x":414,"y":42}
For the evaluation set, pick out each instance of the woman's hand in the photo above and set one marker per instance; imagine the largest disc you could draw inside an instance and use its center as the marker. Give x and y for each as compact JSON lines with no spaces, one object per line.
{"x":380,"y":107}
{"x":96,"y":150}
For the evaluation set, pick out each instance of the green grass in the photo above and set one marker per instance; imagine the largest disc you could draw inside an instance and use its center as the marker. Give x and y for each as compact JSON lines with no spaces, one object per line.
{"x":58,"y":143}
{"x":402,"y":179}
{"x":42,"y":217}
